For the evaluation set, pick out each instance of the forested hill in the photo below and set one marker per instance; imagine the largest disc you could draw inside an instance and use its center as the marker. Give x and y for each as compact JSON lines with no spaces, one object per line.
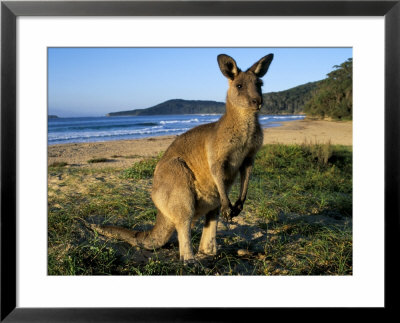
{"x":285,"y":102}
{"x":333,"y":97}
{"x":176,"y":106}
{"x":290,"y":101}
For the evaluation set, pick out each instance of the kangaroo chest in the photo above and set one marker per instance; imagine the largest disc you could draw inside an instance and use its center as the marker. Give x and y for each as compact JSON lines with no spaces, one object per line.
{"x":243,"y":143}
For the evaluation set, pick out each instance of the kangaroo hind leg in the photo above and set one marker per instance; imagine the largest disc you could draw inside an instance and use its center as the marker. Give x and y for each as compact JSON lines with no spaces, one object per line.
{"x":174,"y":196}
{"x":208,"y":242}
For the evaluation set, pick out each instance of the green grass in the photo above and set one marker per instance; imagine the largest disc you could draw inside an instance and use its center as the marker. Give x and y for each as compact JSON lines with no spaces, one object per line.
{"x":143,"y":169}
{"x":299,"y":208}
{"x":91,"y":258}
{"x":291,"y":179}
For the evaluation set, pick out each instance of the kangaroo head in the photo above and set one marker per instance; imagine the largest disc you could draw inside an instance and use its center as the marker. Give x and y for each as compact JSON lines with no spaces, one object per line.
{"x":244,"y":87}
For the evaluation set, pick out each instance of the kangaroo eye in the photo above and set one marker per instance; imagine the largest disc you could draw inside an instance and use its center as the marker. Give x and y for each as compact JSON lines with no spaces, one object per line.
{"x":239,"y":86}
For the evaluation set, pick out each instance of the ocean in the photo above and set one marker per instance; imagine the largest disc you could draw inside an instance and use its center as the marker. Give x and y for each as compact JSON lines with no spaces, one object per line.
{"x":93,"y":129}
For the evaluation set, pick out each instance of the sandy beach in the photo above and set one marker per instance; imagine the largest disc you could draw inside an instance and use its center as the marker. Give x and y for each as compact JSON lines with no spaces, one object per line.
{"x":123,"y":153}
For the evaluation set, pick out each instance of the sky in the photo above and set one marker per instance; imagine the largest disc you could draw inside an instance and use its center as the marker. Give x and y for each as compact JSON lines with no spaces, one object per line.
{"x":95,"y":81}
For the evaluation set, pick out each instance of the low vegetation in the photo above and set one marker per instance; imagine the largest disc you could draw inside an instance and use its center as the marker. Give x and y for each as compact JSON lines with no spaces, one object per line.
{"x":142,"y":170}
{"x":97,"y":160}
{"x":296,"y":221}
{"x":58,"y":164}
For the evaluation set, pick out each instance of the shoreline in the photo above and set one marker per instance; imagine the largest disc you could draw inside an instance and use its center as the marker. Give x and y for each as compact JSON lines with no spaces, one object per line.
{"x":123,"y":153}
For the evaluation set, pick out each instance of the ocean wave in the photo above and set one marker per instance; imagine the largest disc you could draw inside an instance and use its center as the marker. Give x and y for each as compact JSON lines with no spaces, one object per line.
{"x":118,"y":133}
{"x":106,"y":129}
{"x":101,"y":127}
{"x":180,"y":121}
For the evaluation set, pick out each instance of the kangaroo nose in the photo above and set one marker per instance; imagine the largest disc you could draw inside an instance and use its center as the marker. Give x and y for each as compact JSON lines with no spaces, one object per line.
{"x":257,"y":101}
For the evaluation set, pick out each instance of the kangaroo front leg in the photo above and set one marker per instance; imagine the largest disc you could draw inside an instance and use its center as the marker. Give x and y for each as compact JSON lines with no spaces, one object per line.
{"x":245,"y":171}
{"x":217,"y":171}
{"x":208,"y":242}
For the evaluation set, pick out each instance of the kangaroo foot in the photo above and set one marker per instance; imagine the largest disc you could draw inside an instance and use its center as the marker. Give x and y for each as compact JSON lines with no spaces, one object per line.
{"x":189,"y":262}
{"x":203,"y":258}
{"x":187,"y":258}
{"x":209,"y":249}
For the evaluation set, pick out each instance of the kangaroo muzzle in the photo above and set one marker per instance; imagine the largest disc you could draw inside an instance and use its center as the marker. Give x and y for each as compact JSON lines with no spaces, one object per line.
{"x":257,"y":103}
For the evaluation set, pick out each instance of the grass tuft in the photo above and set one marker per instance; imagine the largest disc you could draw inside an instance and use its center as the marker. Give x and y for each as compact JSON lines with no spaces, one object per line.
{"x":58,"y":164}
{"x":143,"y":169}
{"x":98,"y":160}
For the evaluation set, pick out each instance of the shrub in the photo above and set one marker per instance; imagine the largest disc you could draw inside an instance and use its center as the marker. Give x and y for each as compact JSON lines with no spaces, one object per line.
{"x":141,"y":170}
{"x":98,"y":160}
{"x":58,"y":164}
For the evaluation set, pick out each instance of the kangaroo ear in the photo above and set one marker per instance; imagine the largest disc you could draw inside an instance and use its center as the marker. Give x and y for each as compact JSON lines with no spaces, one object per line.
{"x":261,"y":67}
{"x":228,"y":66}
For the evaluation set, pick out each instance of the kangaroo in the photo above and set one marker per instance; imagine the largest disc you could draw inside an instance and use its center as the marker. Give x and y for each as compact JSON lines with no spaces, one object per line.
{"x":196,"y":172}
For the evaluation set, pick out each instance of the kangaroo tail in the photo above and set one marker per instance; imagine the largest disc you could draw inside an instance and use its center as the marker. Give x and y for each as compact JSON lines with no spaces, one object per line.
{"x":152,"y":239}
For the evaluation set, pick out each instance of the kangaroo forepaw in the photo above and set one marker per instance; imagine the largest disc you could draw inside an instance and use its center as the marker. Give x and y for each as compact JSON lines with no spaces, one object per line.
{"x":226,"y":212}
{"x":237,"y":208}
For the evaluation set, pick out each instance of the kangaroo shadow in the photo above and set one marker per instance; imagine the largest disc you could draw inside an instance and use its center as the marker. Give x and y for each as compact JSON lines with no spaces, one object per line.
{"x":243,"y":240}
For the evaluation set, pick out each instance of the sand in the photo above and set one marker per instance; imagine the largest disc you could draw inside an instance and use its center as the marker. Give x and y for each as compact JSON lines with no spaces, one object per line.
{"x":123,"y":153}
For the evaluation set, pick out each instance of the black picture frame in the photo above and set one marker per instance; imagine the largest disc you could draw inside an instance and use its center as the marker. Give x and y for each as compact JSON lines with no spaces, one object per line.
{"x":10,"y":10}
